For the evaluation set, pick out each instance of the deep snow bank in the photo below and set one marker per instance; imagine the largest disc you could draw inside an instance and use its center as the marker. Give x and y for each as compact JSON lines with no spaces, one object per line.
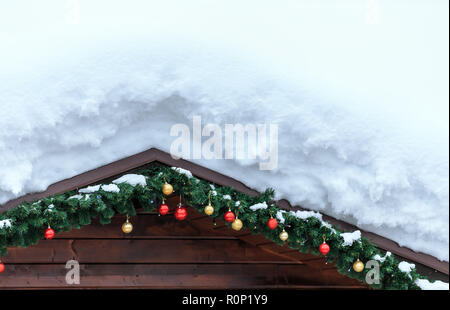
{"x":359,"y":90}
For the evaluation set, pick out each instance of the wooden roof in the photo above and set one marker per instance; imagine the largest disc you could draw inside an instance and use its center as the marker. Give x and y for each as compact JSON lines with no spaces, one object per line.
{"x":428,"y":265}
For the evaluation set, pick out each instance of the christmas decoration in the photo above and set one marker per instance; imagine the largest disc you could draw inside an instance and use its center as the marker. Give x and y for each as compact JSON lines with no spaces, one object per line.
{"x":284,"y":235}
{"x":163,"y":209}
{"x":358,"y":266}
{"x":209,"y":209}
{"x":229,"y":216}
{"x":75,"y":209}
{"x":272,"y":223}
{"x":180,"y":213}
{"x":49,"y":233}
{"x":167,"y":189}
{"x":237,"y":224}
{"x":324,"y":248}
{"x":127,"y":227}
{"x":2,"y":267}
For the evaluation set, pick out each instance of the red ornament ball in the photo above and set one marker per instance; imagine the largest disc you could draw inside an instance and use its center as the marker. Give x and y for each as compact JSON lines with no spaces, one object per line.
{"x":163,"y":209}
{"x":229,"y":216}
{"x":324,"y":248}
{"x":49,"y":233}
{"x":180,"y":213}
{"x":272,"y":223}
{"x":2,"y":267}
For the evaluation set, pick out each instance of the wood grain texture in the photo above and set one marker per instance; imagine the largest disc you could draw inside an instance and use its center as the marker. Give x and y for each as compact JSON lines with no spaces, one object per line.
{"x":165,"y":253}
{"x":162,"y":276}
{"x":150,"y":251}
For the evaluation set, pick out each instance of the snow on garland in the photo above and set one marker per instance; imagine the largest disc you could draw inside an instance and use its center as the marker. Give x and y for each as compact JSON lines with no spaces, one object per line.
{"x":406,"y":268}
{"x":90,"y":189}
{"x":349,"y":238}
{"x":259,"y":206}
{"x":132,"y":179}
{"x":112,"y":188}
{"x":308,"y":214}
{"x":280,"y":216}
{"x":226,"y":197}
{"x":183,"y":171}
{"x":306,"y":228}
{"x":5,"y":223}
{"x":78,"y":196}
{"x":382,"y":258}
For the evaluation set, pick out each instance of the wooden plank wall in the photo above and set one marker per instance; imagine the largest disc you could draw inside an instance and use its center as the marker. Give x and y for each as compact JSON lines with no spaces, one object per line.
{"x":164,"y":253}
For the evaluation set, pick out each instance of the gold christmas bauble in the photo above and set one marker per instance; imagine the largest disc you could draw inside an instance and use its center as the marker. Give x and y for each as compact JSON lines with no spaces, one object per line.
{"x":358,"y":266}
{"x":284,"y":235}
{"x":167,"y":189}
{"x":209,"y":210}
{"x":127,"y":227}
{"x":237,"y":224}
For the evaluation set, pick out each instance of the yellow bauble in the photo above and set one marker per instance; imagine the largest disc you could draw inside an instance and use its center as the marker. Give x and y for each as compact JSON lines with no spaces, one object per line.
{"x":237,"y":224}
{"x":358,"y":266}
{"x":284,"y":235}
{"x":127,"y":227}
{"x":167,"y":189}
{"x":209,"y":210}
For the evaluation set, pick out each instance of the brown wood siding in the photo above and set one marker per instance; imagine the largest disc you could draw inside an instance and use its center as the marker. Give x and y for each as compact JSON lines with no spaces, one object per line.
{"x":164,"y":253}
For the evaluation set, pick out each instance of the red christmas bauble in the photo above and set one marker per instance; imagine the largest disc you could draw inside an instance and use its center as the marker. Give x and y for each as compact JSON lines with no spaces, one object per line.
{"x":229,"y":216}
{"x":324,"y":248}
{"x":272,"y":223}
{"x":49,"y":233}
{"x":2,"y":267}
{"x":180,"y":213}
{"x":163,"y":209}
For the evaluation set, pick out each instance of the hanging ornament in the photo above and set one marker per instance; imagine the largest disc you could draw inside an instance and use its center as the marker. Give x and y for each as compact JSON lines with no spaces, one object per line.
{"x":2,"y":267}
{"x":49,"y":233}
{"x":163,"y":209}
{"x":167,"y":189}
{"x":229,"y":216}
{"x":209,"y":209}
{"x":272,"y":223}
{"x":284,"y":235}
{"x":180,"y":213}
{"x":358,"y":266}
{"x":237,"y":224}
{"x":127,"y":227}
{"x":324,"y":248}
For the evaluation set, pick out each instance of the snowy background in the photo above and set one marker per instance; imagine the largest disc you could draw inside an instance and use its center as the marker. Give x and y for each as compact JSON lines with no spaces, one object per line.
{"x":359,"y":90}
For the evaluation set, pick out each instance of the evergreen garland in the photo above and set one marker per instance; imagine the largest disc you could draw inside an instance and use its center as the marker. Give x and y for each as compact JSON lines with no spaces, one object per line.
{"x":25,"y":224}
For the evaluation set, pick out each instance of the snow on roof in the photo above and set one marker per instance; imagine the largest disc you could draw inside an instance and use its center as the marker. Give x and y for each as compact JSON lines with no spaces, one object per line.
{"x":360,"y":98}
